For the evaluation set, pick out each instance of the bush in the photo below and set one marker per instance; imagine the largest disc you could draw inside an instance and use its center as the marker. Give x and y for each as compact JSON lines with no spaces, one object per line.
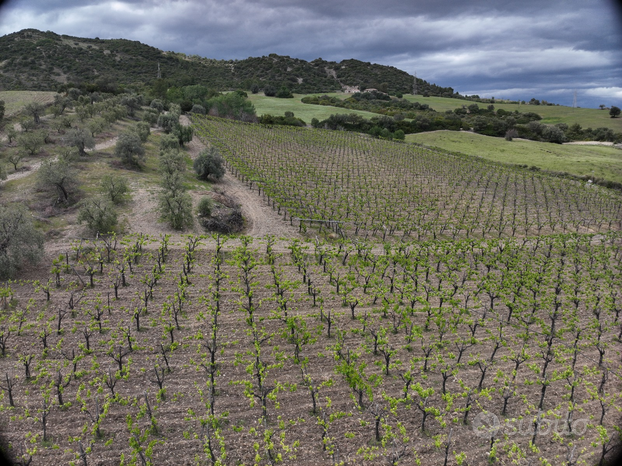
{"x":115,"y":188}
{"x":269,"y":91}
{"x":205,"y":206}
{"x":99,"y":214}
{"x":130,"y":149}
{"x":284,"y":93}
{"x":20,"y":241}
{"x":199,"y":109}
{"x":209,"y":163}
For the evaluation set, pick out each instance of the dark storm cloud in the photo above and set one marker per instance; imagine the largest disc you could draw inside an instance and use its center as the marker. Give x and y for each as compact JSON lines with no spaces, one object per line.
{"x":526,"y":48}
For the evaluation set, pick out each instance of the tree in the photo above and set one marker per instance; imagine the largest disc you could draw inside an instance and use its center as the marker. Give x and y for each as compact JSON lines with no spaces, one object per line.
{"x":35,"y":110}
{"x":209,"y":163}
{"x":32,"y":142}
{"x":168,"y":121}
{"x":171,"y":162}
{"x":19,"y":240}
{"x":81,"y":139}
{"x":143,"y":130}
{"x":176,"y":209}
{"x":184,"y":134}
{"x":99,"y":214}
{"x":96,"y":125}
{"x":614,"y":111}
{"x":553,"y":134}
{"x":1,"y":110}
{"x":132,"y":103}
{"x":130,"y":149}
{"x":59,"y":176}
{"x":197,"y":108}
{"x":115,"y":188}
{"x":169,"y":142}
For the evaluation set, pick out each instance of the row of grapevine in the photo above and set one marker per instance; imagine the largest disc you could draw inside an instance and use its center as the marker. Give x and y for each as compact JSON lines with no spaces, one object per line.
{"x":236,"y":350}
{"x":381,"y":189}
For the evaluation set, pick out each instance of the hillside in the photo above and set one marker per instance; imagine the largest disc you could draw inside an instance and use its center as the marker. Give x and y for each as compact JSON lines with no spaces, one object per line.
{"x":36,"y":60}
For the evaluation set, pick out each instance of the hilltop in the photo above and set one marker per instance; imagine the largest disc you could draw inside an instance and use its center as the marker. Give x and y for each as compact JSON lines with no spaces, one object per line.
{"x":36,"y":60}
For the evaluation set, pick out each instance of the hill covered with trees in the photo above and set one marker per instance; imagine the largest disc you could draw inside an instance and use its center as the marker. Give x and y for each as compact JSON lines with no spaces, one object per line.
{"x":36,"y":60}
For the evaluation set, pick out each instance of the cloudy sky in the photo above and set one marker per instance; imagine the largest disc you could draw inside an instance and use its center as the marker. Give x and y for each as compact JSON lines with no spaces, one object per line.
{"x":545,"y":49}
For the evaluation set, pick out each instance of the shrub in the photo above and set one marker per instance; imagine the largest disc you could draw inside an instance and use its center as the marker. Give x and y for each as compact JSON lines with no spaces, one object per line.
{"x":205,"y":207}
{"x":284,"y":93}
{"x":209,"y":163}
{"x":115,"y":188}
{"x":99,"y":215}
{"x":199,"y":109}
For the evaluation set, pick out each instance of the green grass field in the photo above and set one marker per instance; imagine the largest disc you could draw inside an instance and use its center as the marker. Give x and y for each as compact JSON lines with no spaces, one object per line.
{"x":586,"y":117}
{"x":307,"y":112}
{"x":551,"y":114}
{"x":596,"y":161}
{"x":15,"y":100}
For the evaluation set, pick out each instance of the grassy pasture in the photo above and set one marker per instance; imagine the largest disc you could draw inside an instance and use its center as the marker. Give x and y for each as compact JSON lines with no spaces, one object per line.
{"x":597,"y":161}
{"x":551,"y":114}
{"x":15,"y":100}
{"x":275,"y":106}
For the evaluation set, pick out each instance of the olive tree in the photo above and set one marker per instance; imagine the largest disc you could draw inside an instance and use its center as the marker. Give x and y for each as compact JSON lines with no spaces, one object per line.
{"x":20,"y":242}
{"x":81,"y":139}
{"x":176,"y":209}
{"x":57,"y":175}
{"x":115,"y":188}
{"x":130,"y":149}
{"x":35,"y":110}
{"x":99,"y":214}
{"x":168,"y":121}
{"x":31,"y":142}
{"x":209,"y":163}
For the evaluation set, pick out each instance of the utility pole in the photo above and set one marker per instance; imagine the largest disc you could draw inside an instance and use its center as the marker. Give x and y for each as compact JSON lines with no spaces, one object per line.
{"x":415,"y":84}
{"x":159,"y":74}
{"x":574,"y":99}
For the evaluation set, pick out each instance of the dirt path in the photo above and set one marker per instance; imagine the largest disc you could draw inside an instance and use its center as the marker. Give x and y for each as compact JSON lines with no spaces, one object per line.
{"x":261,"y":219}
{"x":35,"y":166}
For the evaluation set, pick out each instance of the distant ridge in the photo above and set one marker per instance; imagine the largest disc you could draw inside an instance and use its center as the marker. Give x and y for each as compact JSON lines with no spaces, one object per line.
{"x":36,"y":60}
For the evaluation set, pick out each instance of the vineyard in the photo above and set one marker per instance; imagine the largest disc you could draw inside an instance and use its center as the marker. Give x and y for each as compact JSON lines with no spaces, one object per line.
{"x":443,"y":311}
{"x":380,"y":189}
